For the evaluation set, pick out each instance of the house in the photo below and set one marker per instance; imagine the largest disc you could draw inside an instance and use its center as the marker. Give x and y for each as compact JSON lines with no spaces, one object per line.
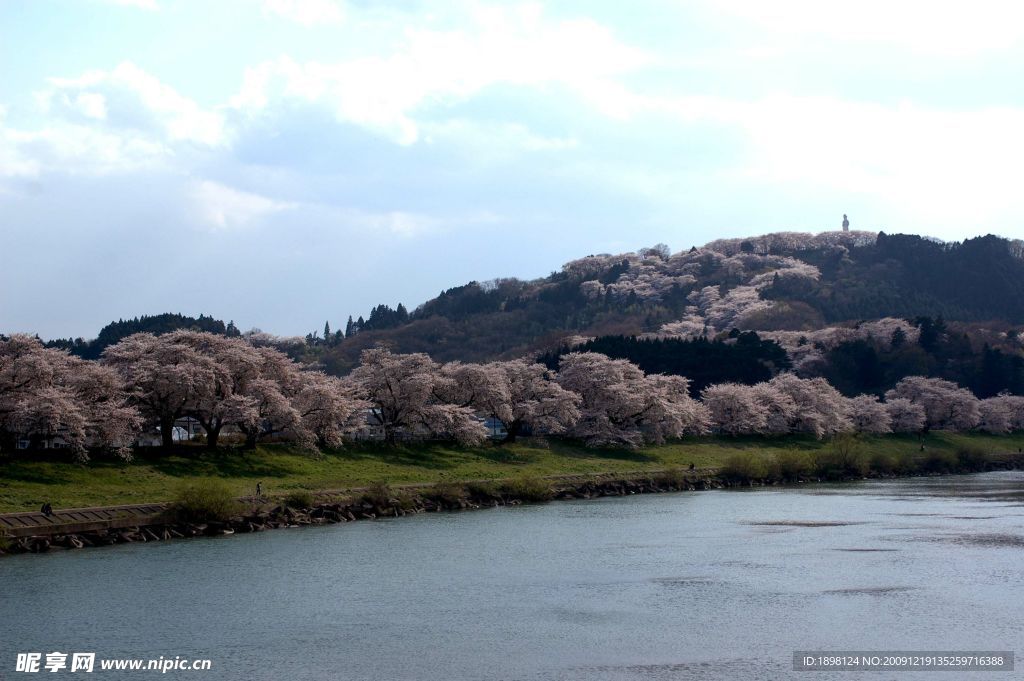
{"x":185,"y":430}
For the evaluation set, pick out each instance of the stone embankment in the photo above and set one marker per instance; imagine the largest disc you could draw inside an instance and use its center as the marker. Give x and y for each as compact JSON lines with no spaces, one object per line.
{"x":379,"y":503}
{"x":130,"y":525}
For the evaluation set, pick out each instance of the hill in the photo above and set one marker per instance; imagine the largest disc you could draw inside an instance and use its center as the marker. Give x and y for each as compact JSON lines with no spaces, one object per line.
{"x":773,"y":283}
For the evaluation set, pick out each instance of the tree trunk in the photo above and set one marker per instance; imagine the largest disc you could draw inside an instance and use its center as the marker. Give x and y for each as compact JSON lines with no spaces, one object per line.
{"x":167,"y":432}
{"x":250,"y":438}
{"x":212,"y":433}
{"x":8,"y":441}
{"x":512,"y":431}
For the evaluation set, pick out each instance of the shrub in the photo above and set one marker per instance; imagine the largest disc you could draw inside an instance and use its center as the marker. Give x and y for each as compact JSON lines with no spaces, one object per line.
{"x":884,"y":463}
{"x":971,"y":458}
{"x":792,"y":464}
{"x":447,"y":493}
{"x":528,"y":489}
{"x":299,"y":498}
{"x":5,"y":543}
{"x":744,"y":467}
{"x":205,"y":500}
{"x":483,"y":490}
{"x":671,"y":477}
{"x":843,"y":458}
{"x":939,"y":461}
{"x":378,"y":494}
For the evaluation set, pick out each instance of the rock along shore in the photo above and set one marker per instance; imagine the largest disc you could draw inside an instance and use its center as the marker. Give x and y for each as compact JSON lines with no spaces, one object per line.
{"x":384,"y":502}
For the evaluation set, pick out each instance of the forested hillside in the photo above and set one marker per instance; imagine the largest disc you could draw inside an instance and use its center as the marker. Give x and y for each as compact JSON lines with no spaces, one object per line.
{"x":776,"y":282}
{"x":860,"y":309}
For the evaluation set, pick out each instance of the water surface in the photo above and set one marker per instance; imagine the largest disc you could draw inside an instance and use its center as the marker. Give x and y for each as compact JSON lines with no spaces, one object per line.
{"x":699,"y":585}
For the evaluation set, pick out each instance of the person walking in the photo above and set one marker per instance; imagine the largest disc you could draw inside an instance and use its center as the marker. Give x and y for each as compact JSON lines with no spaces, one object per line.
{"x":259,"y":490}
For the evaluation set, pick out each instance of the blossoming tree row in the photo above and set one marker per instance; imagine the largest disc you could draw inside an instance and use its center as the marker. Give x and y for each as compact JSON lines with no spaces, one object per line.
{"x":150,"y":382}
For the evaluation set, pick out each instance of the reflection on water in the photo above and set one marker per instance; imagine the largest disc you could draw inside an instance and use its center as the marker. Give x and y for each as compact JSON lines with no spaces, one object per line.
{"x":704,"y":585}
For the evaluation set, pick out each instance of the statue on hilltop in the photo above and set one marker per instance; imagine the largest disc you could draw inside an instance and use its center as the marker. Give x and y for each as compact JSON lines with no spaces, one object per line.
{"x":846,"y":223}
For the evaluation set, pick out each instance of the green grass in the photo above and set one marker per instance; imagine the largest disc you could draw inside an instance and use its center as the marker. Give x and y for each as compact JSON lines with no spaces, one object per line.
{"x":25,"y":483}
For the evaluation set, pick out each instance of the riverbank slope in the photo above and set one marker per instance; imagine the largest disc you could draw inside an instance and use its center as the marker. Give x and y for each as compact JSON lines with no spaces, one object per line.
{"x":26,"y":482}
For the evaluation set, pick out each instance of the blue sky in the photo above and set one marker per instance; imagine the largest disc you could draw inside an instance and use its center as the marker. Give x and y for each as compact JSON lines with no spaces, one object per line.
{"x":283,"y":162}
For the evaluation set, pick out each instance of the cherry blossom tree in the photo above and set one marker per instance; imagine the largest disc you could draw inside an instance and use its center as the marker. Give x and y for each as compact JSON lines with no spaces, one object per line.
{"x":48,"y":393}
{"x":905,"y":416}
{"x":518,"y":393}
{"x":328,"y":409}
{"x":780,"y":406}
{"x":947,"y":406}
{"x":165,"y":378}
{"x":1014,"y":405}
{"x":868,"y":415}
{"x":405,"y":393}
{"x":995,"y":416}
{"x":227,"y":399}
{"x":621,"y":406}
{"x":820,"y":409}
{"x":736,"y":409}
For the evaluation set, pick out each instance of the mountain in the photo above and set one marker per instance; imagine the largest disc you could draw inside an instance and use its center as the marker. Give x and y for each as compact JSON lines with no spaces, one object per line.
{"x":773,"y":283}
{"x":860,"y":309}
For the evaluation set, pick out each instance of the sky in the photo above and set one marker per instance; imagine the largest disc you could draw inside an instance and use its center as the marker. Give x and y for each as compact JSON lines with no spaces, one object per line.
{"x":280,"y":163}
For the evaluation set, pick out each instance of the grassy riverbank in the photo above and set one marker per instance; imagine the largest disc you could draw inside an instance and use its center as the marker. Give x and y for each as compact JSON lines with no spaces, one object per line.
{"x":25,"y":483}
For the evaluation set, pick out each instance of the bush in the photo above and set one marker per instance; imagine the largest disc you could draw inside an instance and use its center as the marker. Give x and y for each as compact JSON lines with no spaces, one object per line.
{"x":971,"y":458}
{"x":744,"y":467}
{"x":843,"y":458}
{"x":204,"y":501}
{"x":378,"y":494}
{"x":483,"y":490}
{"x":671,"y":477}
{"x":884,"y":463}
{"x":447,"y":493}
{"x":528,"y":489}
{"x":299,"y":498}
{"x":792,"y":464}
{"x":5,"y":542}
{"x":939,"y":461}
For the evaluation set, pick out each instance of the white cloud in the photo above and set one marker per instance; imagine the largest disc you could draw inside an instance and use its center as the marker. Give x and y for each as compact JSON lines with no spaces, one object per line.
{"x":75,"y":149}
{"x":515,"y":45}
{"x":399,"y":223}
{"x":140,"y":4}
{"x":130,"y":97}
{"x":927,"y":26}
{"x":939,"y":165}
{"x":92,"y":105}
{"x":491,"y":142}
{"x":306,"y":12}
{"x":220,"y":207}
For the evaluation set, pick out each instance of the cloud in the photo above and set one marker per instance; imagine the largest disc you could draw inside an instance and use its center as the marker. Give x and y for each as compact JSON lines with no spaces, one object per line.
{"x":306,"y":12}
{"x":434,"y":69}
{"x":150,"y":5}
{"x":129,"y":97}
{"x":934,"y":164}
{"x":493,"y":142}
{"x":937,"y":27}
{"x":75,"y":149}
{"x":101,"y":122}
{"x":222,"y":207}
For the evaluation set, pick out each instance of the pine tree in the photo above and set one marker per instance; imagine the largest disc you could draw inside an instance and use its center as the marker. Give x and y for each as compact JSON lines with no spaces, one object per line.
{"x":350,"y":327}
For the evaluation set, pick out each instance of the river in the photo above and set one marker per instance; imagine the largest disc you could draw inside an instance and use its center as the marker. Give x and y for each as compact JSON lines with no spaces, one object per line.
{"x":699,"y":585}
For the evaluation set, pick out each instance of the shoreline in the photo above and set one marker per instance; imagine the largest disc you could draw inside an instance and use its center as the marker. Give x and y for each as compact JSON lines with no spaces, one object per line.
{"x":386,"y":502}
